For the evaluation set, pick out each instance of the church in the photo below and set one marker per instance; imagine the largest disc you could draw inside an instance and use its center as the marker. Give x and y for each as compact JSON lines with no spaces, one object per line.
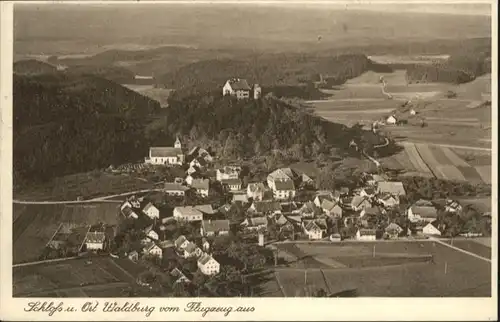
{"x":166,"y":155}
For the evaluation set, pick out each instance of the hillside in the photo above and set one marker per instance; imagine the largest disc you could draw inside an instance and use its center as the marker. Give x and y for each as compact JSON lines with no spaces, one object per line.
{"x":269,"y":71}
{"x":66,"y":123}
{"x":33,"y":67}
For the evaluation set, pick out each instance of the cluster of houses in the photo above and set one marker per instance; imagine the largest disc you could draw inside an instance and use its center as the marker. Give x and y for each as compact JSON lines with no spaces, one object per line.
{"x":187,"y":249}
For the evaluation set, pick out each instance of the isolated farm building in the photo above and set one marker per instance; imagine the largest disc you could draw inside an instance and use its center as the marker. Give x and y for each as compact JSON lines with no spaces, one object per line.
{"x":214,"y":227}
{"x":393,"y":187}
{"x":393,"y":230}
{"x":268,"y":207}
{"x":231,"y":184}
{"x":315,"y":229}
{"x":175,"y":189}
{"x":452,"y":206}
{"x":359,"y":203}
{"x":389,"y":200}
{"x":257,"y":191}
{"x":187,"y":213}
{"x":366,"y":234}
{"x":431,"y":229}
{"x":255,"y":223}
{"x":331,"y":208}
{"x":201,"y":186}
{"x":228,"y":172}
{"x":95,"y":240}
{"x":181,"y":242}
{"x":166,"y":155}
{"x":240,"y":197}
{"x":391,"y":120}
{"x":208,"y":265}
{"x":240,"y":89}
{"x":153,"y":250}
{"x":151,"y":211}
{"x":422,"y":213}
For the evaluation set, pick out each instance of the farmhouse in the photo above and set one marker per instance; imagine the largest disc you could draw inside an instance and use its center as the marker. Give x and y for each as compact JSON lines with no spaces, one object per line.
{"x":391,"y":120}
{"x":284,"y":189}
{"x":452,"y":206}
{"x":151,"y":211}
{"x":240,"y":89}
{"x":201,"y":186}
{"x":392,"y":187}
{"x":257,"y":191}
{"x":331,"y":208}
{"x":198,"y":162}
{"x":192,"y":170}
{"x":188,"y":213}
{"x":240,"y":197}
{"x":214,"y":227}
{"x":175,"y":189}
{"x":366,"y":234}
{"x":315,"y":229}
{"x":422,"y":213}
{"x":131,"y":202}
{"x":228,"y":172}
{"x":191,"y":250}
{"x":324,"y":195}
{"x":181,"y":275}
{"x":372,"y":211}
{"x":193,"y":176}
{"x":129,"y":213}
{"x":95,"y":240}
{"x":358,"y":203}
{"x":388,"y":200}
{"x":208,"y":265}
{"x":269,"y":207}
{"x":166,"y":155}
{"x":205,"y":209}
{"x":199,"y":153}
{"x":285,"y":224}
{"x":231,"y":184}
{"x":153,"y":250}
{"x":393,"y":230}
{"x":255,"y":223}
{"x":181,"y":242}
{"x":367,"y":192}
{"x":308,"y":210}
{"x":431,"y":229}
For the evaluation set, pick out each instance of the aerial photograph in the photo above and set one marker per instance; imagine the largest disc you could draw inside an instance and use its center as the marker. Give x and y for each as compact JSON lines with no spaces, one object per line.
{"x":252,"y":150}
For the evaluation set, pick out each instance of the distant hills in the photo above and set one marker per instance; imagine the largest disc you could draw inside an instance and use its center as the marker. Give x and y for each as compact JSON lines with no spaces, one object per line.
{"x":33,"y":67}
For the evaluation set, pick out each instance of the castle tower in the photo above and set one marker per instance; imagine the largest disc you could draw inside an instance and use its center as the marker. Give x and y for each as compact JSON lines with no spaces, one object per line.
{"x":177,"y":143}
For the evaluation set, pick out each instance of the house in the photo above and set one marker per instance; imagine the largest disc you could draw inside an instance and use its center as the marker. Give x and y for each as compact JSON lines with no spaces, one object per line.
{"x":359,"y":203}
{"x":240,"y":197}
{"x":372,"y":211}
{"x":201,"y":186}
{"x":452,"y":206}
{"x":284,"y":189}
{"x":366,"y":234}
{"x":95,"y":240}
{"x":191,"y":250}
{"x":208,"y":265}
{"x":285,"y":225}
{"x":231,"y":184}
{"x":166,"y":155}
{"x":193,"y":176}
{"x":367,"y":192}
{"x":431,"y":229}
{"x":175,"y":189}
{"x":129,"y":213}
{"x":255,"y":223}
{"x":205,"y":244}
{"x":315,"y":229}
{"x":181,"y":242}
{"x":323,"y":195}
{"x":393,"y":230}
{"x":198,"y":162}
{"x":374,"y":179}
{"x":392,"y":187}
{"x":192,"y":170}
{"x":181,"y":275}
{"x":153,"y":250}
{"x":228,"y":172}
{"x":131,"y":202}
{"x":133,"y":256}
{"x":388,"y":200}
{"x":335,"y":237}
{"x":308,"y":210}
{"x":391,"y":120}
{"x":151,"y":211}
{"x":205,"y":209}
{"x":153,"y":235}
{"x":257,"y":191}
{"x":331,"y":208}
{"x":422,"y":213}
{"x":344,"y":191}
{"x":269,"y":207}
{"x":214,"y":227}
{"x":237,"y":87}
{"x":187,"y":213}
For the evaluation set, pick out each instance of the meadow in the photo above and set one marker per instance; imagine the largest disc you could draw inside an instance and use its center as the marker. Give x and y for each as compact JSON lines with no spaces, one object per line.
{"x":36,"y":224}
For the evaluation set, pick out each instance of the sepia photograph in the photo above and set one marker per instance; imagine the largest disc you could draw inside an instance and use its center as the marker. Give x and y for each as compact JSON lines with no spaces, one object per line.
{"x":260,"y":150}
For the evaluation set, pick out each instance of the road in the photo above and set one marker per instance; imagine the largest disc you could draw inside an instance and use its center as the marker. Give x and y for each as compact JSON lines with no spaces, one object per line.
{"x":98,"y":199}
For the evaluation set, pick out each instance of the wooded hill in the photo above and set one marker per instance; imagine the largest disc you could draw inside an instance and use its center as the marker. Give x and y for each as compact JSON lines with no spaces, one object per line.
{"x":66,"y":123}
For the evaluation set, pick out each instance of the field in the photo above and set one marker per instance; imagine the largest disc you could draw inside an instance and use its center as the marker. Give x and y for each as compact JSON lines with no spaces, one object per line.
{"x":158,"y":94}
{"x":417,"y":59}
{"x":69,"y":278}
{"x":472,"y":246}
{"x":36,"y":224}
{"x":87,"y":185}
{"x":398,"y":269}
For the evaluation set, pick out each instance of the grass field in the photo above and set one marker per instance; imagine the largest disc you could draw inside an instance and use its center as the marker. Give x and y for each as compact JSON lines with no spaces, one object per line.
{"x":70,"y":274}
{"x":464,"y":276}
{"x":158,"y":94}
{"x":471,"y":246}
{"x":36,"y":224}
{"x":87,"y":185}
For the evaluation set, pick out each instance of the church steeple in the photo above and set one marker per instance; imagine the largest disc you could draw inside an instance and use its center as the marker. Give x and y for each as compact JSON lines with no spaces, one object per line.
{"x":177,"y":143}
